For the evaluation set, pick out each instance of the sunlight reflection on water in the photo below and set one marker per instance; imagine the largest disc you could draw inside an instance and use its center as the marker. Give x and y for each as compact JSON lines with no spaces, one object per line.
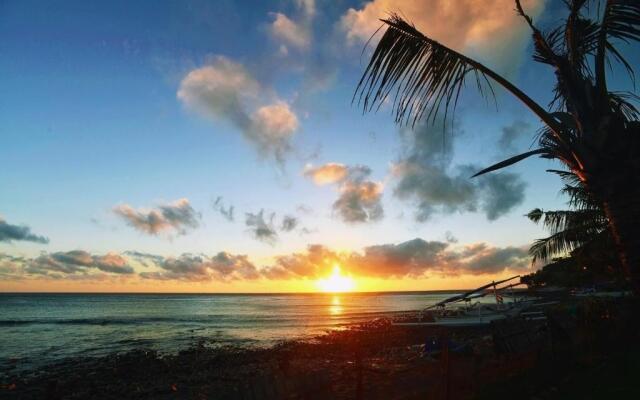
{"x":335,"y":308}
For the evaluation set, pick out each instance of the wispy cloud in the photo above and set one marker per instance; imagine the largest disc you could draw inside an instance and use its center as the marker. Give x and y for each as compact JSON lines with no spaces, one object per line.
{"x":290,"y":32}
{"x":289,"y":223}
{"x":511,"y":133}
{"x":9,"y":233}
{"x":177,"y":217}
{"x":227,"y":212}
{"x":262,"y":228}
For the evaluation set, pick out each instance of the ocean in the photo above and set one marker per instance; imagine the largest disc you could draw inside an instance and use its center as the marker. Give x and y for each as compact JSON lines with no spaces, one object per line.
{"x":38,"y":329}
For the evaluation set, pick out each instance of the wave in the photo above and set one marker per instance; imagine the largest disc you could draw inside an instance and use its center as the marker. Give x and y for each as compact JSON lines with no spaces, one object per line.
{"x":216,"y":320}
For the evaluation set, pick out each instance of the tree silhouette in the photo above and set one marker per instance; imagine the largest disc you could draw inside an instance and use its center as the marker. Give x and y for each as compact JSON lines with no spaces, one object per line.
{"x":592,"y":131}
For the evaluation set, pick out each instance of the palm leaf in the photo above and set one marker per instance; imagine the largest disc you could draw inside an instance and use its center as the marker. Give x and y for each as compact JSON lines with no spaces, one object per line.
{"x":425,"y":77}
{"x":510,"y":161}
{"x":570,"y":230}
{"x":620,"y":20}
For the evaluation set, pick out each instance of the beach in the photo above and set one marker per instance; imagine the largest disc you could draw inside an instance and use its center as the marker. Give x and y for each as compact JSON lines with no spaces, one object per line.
{"x":39,"y":329}
{"x":374,"y":359}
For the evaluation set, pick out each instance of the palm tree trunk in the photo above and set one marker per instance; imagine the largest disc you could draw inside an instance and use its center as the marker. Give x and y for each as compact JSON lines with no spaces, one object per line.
{"x":623,"y":212}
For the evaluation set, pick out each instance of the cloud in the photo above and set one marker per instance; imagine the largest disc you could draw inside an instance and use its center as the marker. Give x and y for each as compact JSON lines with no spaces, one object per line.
{"x":500,"y":193}
{"x":450,"y":238}
{"x":271,"y":130}
{"x":225,"y":91}
{"x":177,"y":217}
{"x":289,"y":32}
{"x":308,"y":7}
{"x":359,"y":198}
{"x":9,"y":233}
{"x":145,"y":259}
{"x":199,"y":268}
{"x":307,"y":265}
{"x":425,"y":175}
{"x":489,"y":29}
{"x":63,"y":264}
{"x":359,"y":202}
{"x":304,"y":209}
{"x":11,"y":267}
{"x":408,"y":259}
{"x":295,"y":33}
{"x":289,"y":223}
{"x":262,"y":229}
{"x":511,"y":133}
{"x":227,"y":213}
{"x":483,"y":259}
{"x":327,"y":173}
{"x":415,"y":258}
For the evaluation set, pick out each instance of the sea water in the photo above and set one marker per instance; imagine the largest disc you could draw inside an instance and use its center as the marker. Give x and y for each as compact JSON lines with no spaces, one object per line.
{"x":37,"y":329}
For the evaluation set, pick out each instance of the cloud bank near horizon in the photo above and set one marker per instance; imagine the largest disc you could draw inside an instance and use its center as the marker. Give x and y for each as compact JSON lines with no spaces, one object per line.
{"x":416,"y":258}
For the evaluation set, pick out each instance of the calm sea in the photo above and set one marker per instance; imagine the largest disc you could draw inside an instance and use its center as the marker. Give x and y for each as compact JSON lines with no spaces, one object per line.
{"x":37,"y":329}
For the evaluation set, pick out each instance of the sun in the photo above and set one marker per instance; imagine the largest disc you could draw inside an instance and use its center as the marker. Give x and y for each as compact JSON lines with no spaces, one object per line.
{"x":336,"y":283}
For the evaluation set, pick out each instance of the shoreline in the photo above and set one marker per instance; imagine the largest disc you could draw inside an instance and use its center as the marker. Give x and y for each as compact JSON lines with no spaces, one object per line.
{"x":369,"y":360}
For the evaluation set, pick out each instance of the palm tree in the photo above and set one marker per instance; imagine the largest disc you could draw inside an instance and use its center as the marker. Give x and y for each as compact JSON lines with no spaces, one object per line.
{"x":592,"y":131}
{"x":581,"y":230}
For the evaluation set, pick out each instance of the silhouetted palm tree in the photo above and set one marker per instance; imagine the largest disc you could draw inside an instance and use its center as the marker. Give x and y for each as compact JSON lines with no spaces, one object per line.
{"x":581,"y":229}
{"x":593,"y":131}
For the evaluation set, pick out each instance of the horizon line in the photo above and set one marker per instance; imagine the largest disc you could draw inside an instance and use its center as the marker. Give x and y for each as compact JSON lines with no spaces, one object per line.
{"x":242,"y":293}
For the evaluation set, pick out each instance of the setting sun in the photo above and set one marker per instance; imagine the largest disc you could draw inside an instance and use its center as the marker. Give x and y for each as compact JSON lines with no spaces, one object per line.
{"x":336,"y":282}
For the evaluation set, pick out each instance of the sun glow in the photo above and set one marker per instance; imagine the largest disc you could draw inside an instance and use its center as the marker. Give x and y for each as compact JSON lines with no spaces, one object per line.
{"x":336,"y":283}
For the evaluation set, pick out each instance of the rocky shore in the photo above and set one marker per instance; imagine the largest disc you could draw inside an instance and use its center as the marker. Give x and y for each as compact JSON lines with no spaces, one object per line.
{"x":375,"y":360}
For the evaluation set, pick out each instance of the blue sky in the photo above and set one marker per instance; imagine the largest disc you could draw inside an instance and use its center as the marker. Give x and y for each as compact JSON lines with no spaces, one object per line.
{"x":92,"y":120}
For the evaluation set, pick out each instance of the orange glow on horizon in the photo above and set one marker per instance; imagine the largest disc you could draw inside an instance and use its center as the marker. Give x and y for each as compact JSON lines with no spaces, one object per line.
{"x":336,"y":282}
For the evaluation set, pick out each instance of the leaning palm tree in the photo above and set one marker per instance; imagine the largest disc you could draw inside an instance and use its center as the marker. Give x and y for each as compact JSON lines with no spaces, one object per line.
{"x":592,"y":130}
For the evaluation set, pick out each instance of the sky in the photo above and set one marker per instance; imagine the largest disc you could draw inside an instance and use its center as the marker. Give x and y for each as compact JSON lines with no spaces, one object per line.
{"x":213,"y":146}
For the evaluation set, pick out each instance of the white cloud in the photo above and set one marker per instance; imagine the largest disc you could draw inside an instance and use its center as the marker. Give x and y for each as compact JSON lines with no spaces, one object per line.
{"x":224,"y":90}
{"x":308,"y":7}
{"x":219,"y":90}
{"x":489,"y":29}
{"x":290,"y":32}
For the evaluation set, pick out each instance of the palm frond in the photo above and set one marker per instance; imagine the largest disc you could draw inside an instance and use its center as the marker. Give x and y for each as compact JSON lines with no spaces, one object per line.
{"x":585,"y":220}
{"x":569,"y":230}
{"x":622,"y":103}
{"x":510,"y":161}
{"x":424,"y":74}
{"x":560,"y":244}
{"x":621,"y":21}
{"x":425,"y":77}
